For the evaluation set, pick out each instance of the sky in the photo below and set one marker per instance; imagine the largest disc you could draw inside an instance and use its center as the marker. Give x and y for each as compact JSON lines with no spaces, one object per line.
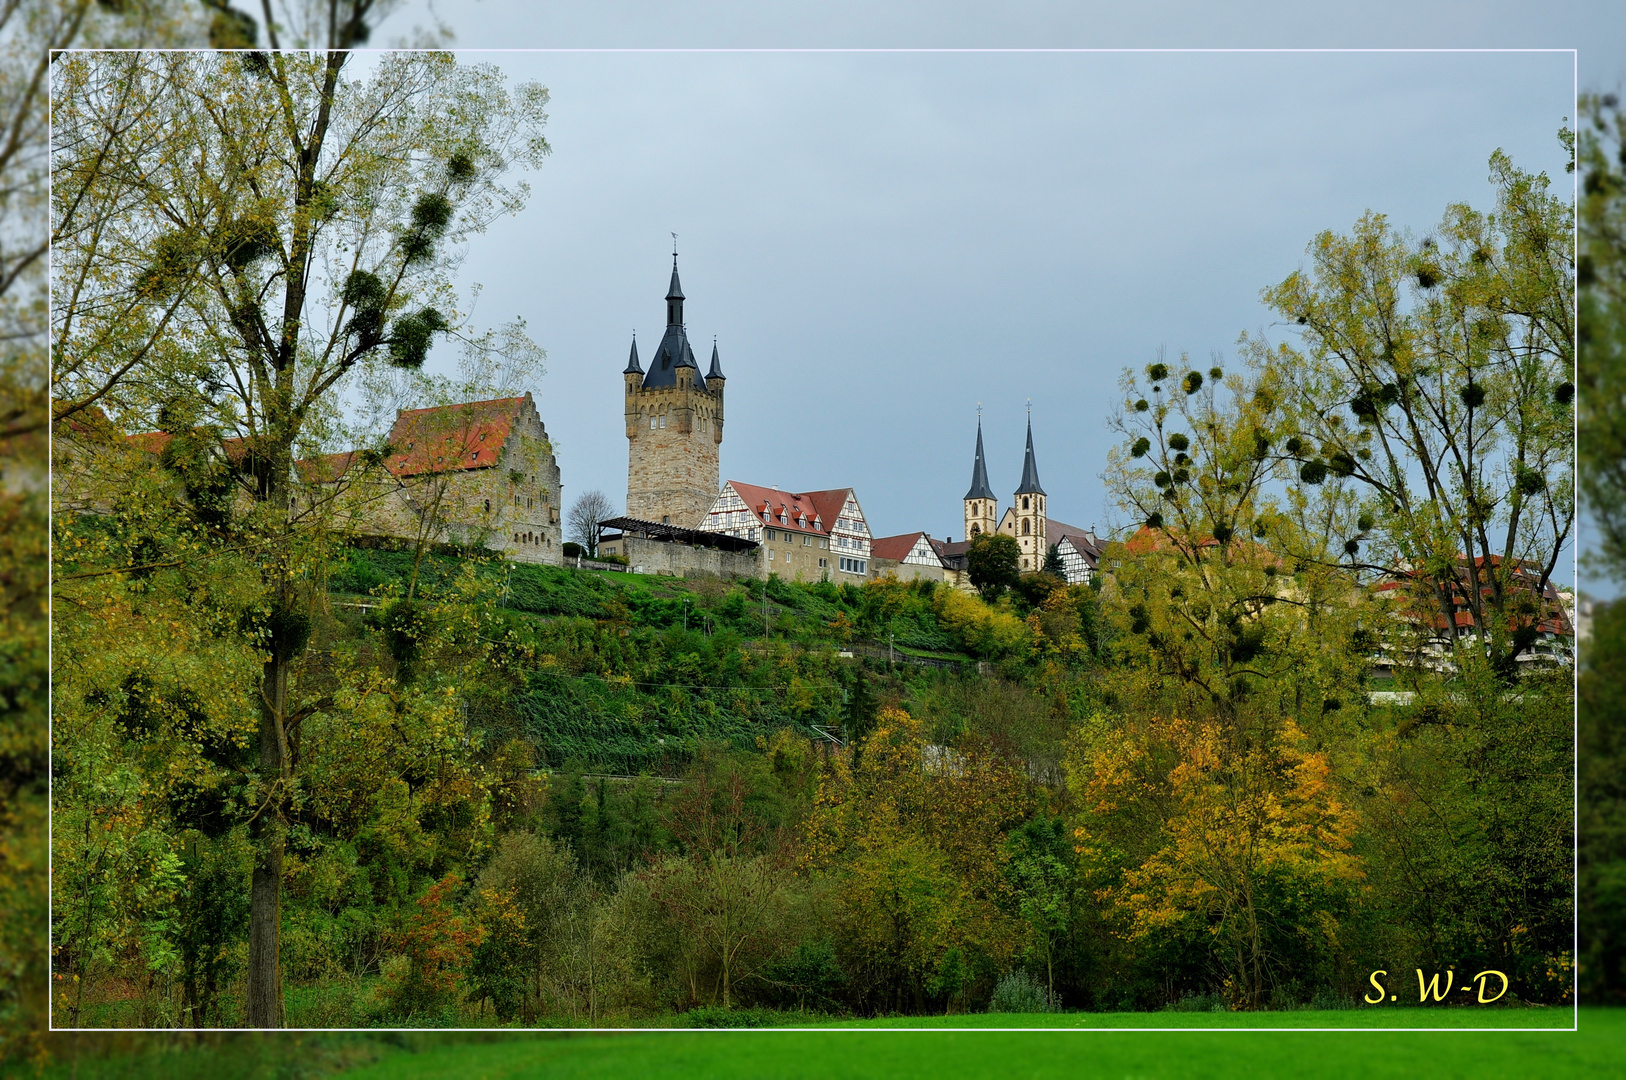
{"x":882,"y":240}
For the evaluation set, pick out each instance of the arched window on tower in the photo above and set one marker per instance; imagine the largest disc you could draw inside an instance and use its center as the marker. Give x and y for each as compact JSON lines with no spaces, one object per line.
{"x":1024,"y":502}
{"x":1027,"y":526}
{"x":976,"y":530}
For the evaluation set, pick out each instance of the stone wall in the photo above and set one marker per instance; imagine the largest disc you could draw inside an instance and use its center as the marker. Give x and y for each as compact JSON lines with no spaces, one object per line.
{"x":648,"y":556}
{"x":905,"y":571}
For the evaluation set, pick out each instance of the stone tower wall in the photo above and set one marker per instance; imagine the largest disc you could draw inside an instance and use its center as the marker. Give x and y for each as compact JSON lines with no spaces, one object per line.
{"x":672,"y":470}
{"x":983,"y":514}
{"x":1032,"y":542}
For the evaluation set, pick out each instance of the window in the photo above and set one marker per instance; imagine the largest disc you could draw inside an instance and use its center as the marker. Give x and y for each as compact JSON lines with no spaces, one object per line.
{"x":651,"y":423}
{"x":1027,"y":524}
{"x":824,"y":543}
{"x":1024,"y":502}
{"x":663,"y":421}
{"x":824,"y":562}
{"x":807,"y":541}
{"x":770,"y":554}
{"x":488,"y":506}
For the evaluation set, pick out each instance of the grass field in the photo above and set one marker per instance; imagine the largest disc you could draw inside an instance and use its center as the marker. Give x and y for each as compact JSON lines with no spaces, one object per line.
{"x":1597,"y":1049}
{"x":1216,"y":1046}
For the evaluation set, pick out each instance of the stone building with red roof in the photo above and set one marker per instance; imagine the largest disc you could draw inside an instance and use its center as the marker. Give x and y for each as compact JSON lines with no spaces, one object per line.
{"x":476,"y":473}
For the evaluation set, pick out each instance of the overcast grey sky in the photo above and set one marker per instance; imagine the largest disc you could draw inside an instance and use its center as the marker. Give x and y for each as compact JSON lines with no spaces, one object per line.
{"x":880,"y":240}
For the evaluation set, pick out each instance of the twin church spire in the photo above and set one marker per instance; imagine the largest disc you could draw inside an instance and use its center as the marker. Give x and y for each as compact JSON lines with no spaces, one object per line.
{"x":1026,"y":519}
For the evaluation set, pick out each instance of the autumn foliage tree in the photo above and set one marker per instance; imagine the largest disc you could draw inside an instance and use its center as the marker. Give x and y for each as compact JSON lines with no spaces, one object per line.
{"x":910,"y":836}
{"x":289,"y":228}
{"x":1187,"y":832}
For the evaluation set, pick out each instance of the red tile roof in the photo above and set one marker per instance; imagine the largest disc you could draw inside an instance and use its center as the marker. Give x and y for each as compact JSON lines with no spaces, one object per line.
{"x":805,"y":512}
{"x":469,"y":435}
{"x":326,"y":468}
{"x":153,"y":442}
{"x":896,"y":548}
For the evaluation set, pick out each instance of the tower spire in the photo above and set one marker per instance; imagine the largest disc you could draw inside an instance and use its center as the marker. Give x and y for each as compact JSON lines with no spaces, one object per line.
{"x":979,"y":469}
{"x":674,"y":294}
{"x":1030,"y":467}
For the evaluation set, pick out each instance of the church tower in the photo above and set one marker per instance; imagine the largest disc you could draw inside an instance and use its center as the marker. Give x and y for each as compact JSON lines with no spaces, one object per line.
{"x":1028,"y":515}
{"x":981,"y":508}
{"x":674,"y":425}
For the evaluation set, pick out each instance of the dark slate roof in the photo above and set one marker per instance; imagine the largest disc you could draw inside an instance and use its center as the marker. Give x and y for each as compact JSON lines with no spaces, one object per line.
{"x":632,"y":367}
{"x":979,"y":473}
{"x":716,"y":371}
{"x":1030,"y":469}
{"x":674,"y":353}
{"x":676,"y":291}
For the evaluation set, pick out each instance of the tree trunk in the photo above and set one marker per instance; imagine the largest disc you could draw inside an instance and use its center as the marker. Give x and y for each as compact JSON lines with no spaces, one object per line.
{"x":265,"y":903}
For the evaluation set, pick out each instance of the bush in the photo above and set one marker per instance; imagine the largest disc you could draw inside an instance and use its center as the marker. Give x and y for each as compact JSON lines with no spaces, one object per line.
{"x":573,"y":550}
{"x":1019,"y":993}
{"x":1199,"y":1003}
{"x":717,"y":1017}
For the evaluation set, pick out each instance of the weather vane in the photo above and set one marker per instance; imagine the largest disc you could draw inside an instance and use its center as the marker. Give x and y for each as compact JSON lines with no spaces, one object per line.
{"x":674,"y":247}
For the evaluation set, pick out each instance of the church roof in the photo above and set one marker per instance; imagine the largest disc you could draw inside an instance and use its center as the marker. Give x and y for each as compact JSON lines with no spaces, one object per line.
{"x":1030,"y":470}
{"x":979,"y":472}
{"x":676,"y":291}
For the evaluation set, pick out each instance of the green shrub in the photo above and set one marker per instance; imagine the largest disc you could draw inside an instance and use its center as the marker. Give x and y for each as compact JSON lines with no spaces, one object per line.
{"x":1018,"y":992}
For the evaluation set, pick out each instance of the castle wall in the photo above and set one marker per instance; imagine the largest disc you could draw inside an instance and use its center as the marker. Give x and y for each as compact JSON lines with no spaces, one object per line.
{"x":906,"y":571}
{"x":648,"y":556}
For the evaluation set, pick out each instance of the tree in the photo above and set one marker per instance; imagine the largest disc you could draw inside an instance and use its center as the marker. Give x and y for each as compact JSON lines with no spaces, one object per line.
{"x":1044,"y":876}
{"x":1602,"y":855}
{"x":992,"y":562}
{"x":590,"y":508}
{"x":1601,"y":274}
{"x":317,"y":248}
{"x":910,"y":839}
{"x":1439,"y":377}
{"x":1053,"y":563}
{"x":30,"y":31}
{"x":1184,"y":834}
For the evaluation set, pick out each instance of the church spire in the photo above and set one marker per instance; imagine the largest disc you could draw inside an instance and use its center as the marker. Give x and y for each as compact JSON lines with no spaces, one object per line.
{"x":633,"y":367}
{"x":674,"y":295}
{"x":979,"y":470}
{"x":1030,"y":467}
{"x":716,"y":371}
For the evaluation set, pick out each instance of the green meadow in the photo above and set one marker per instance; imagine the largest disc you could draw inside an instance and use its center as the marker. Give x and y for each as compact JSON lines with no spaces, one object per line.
{"x":1140,"y":1045}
